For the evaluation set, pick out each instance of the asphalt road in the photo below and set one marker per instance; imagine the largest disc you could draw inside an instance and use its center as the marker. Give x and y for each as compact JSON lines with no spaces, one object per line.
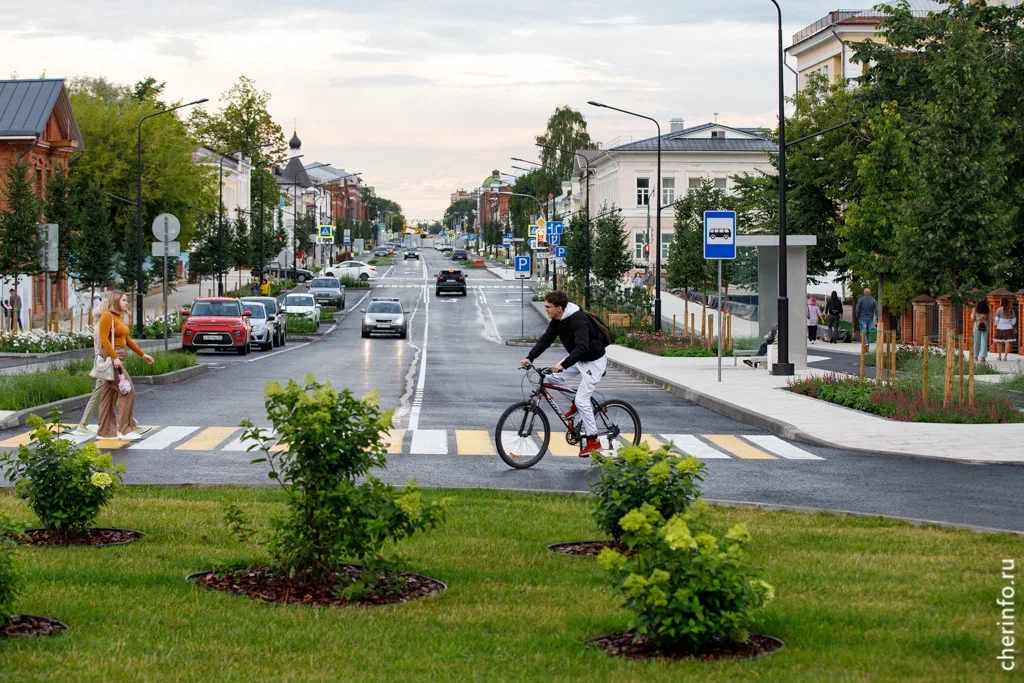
{"x":454,"y":375}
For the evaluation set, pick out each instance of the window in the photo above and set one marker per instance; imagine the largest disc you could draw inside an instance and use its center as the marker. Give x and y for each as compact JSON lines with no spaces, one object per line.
{"x":643,"y":191}
{"x":668,"y":191}
{"x":721,"y":183}
{"x":718,"y":135}
{"x":638,"y":241}
{"x":694,"y":183}
{"x":666,"y":240}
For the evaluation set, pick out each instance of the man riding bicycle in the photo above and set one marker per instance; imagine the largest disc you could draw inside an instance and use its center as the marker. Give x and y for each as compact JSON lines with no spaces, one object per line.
{"x":583,"y":339}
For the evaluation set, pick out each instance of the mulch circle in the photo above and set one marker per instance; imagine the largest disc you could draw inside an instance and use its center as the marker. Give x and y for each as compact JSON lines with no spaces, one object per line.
{"x":584,"y":548}
{"x":259,"y":583}
{"x":27,"y":625}
{"x":630,"y":644}
{"x":94,"y":537}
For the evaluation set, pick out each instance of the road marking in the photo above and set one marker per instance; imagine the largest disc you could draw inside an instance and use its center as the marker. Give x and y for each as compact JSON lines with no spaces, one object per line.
{"x":395,"y":438}
{"x":780,"y":447}
{"x":429,"y":442}
{"x":557,"y":445}
{"x":495,"y":324}
{"x":111,"y":444}
{"x":688,"y":444}
{"x":163,"y":439}
{"x":15,"y":441}
{"x":474,"y":442}
{"x":515,"y":445}
{"x":652,"y":442}
{"x":208,"y":439}
{"x":417,"y":400}
{"x":739,"y":448}
{"x":271,"y":355}
{"x":243,"y":444}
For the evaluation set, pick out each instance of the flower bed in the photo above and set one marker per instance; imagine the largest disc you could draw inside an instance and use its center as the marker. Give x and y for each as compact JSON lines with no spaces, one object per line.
{"x":38,"y":341}
{"x":669,"y":345}
{"x":910,"y":359}
{"x":903,"y":401}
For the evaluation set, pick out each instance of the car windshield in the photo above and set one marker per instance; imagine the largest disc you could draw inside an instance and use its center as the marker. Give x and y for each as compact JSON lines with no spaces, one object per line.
{"x":325,"y":283}
{"x":384,"y":307}
{"x":299,"y":300}
{"x":271,"y":306}
{"x":257,"y":310}
{"x":222,"y":308}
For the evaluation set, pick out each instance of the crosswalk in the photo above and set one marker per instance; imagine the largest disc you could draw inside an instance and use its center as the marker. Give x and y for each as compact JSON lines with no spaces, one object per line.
{"x":471,"y":442}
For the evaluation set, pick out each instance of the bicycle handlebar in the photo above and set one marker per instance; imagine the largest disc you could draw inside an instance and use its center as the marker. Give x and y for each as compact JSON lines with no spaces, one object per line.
{"x":540,"y":371}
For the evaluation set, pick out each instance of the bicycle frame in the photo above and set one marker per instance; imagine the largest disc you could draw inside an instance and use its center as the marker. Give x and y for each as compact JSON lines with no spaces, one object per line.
{"x":542,"y":391}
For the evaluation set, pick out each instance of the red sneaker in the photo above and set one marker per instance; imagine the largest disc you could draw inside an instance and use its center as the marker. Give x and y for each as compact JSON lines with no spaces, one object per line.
{"x":571,"y":411}
{"x":589,"y":447}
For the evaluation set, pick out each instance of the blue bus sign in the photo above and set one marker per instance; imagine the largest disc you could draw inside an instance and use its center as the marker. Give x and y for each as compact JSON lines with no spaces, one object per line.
{"x":720,"y":235}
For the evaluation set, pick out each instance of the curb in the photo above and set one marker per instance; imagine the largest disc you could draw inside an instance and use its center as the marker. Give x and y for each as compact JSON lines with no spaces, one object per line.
{"x":37,"y":358}
{"x":172,"y":377}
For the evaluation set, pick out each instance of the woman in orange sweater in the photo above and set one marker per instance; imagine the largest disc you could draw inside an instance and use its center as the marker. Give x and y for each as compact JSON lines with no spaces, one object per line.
{"x":119,"y":427}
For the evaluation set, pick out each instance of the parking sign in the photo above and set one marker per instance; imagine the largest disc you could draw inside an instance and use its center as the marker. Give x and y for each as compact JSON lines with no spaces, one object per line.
{"x":719,"y":235}
{"x":522,"y":264}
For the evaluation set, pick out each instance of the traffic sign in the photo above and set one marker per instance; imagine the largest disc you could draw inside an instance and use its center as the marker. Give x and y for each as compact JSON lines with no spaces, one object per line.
{"x":559,"y":252}
{"x":720,"y":235}
{"x":348,"y":237}
{"x":506,"y":243}
{"x":166,"y":223}
{"x":540,"y":233}
{"x":509,"y":235}
{"x":48,"y":249}
{"x":554,"y":239}
{"x":173,"y":249}
{"x":540,"y":222}
{"x":327,"y":231}
{"x":522,"y":264}
{"x":555,"y":227}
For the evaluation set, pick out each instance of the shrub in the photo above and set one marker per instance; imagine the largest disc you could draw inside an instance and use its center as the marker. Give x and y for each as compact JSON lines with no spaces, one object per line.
{"x":327,"y":315}
{"x":11,"y":578}
{"x":664,"y":479}
{"x":336,"y":510}
{"x":38,"y":341}
{"x":300,"y":324}
{"x":685,"y":586}
{"x":64,"y":484}
{"x":154,"y":329}
{"x":350,"y":282}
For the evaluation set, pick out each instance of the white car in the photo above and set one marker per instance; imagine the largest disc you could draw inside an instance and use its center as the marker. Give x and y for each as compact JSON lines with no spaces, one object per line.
{"x":357,"y":270}
{"x":303,"y":305}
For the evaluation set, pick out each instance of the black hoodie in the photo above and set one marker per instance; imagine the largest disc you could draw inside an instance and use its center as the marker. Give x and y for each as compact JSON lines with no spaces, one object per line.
{"x":577,"y":335}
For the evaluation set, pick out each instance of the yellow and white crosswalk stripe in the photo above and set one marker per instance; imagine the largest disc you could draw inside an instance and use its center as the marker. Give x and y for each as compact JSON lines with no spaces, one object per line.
{"x":208,"y":439}
{"x":738,"y":447}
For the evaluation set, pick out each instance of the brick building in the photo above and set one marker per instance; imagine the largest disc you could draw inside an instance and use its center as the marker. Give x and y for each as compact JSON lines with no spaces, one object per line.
{"x":38,"y":125}
{"x":492,"y":202}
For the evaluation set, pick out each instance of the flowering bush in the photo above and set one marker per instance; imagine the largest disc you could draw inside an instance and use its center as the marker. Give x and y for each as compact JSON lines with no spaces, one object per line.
{"x":38,"y":341}
{"x":685,"y":586}
{"x":667,"y":344}
{"x":64,"y":484}
{"x":154,"y":328}
{"x":336,"y":511}
{"x":663,"y":479}
{"x":10,"y":576}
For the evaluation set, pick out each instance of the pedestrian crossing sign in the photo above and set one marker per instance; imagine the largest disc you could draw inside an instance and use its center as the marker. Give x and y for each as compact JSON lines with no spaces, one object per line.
{"x":326,"y":234}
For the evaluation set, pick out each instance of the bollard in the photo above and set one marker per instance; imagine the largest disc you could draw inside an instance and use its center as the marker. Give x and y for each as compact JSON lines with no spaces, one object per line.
{"x":960,"y":357}
{"x":879,"y":343}
{"x":924,"y":378}
{"x":863,"y":354}
{"x":970,"y":382}
{"x":947,"y":388}
{"x":673,"y":324}
{"x":893,"y":375}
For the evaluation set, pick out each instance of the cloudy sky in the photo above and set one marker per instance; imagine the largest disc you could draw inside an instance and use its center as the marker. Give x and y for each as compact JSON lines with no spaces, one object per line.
{"x":427,"y":97}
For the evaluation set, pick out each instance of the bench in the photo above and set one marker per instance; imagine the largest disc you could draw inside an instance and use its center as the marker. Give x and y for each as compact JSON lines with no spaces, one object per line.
{"x":751,"y":353}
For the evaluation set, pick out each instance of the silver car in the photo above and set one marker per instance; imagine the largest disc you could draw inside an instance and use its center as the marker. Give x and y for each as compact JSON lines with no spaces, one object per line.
{"x":276,"y":319}
{"x":262,"y":331}
{"x":385,"y":315}
{"x":328,"y":291}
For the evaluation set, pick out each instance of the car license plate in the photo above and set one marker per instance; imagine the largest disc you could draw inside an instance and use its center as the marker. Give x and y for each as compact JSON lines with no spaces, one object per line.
{"x":211,"y":337}
{"x":383,"y":324}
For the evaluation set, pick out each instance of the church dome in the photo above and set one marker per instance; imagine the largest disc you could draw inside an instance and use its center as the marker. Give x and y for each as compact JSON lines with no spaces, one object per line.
{"x":295,"y":142}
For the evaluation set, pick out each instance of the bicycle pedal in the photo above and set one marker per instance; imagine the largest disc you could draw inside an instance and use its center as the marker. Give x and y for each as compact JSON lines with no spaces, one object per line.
{"x":572,"y":439}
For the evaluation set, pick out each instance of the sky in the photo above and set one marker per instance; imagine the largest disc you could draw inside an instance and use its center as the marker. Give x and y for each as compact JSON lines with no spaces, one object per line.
{"x":428,"y":97}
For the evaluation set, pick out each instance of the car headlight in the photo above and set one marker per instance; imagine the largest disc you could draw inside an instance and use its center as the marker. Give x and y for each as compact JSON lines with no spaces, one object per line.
{"x":259,"y":328}
{"x":399,"y":320}
{"x":368,"y":320}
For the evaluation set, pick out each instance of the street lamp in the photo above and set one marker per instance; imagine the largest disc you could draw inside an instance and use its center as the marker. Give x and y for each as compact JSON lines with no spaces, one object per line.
{"x":657,"y":220}
{"x":220,"y":213}
{"x":586,"y":163}
{"x":139,"y":283}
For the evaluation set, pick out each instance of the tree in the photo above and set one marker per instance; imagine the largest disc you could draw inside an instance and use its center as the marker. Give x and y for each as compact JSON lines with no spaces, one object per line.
{"x":240,"y":253}
{"x":91,"y":256}
{"x":574,"y":239}
{"x":687,"y":267}
{"x":611,"y":258}
{"x":203,"y":248}
{"x":19,"y":240}
{"x":59,"y":210}
{"x":459,"y":212}
{"x":567,"y":129}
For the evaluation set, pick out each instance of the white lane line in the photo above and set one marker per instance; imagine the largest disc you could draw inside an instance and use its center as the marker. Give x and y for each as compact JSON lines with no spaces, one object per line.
{"x":495,"y":324}
{"x":163,"y":439}
{"x":417,"y":400}
{"x":691,"y":445}
{"x":780,"y":447}
{"x":388,"y":272}
{"x":275,"y":353}
{"x":241,"y":444}
{"x":429,"y":442}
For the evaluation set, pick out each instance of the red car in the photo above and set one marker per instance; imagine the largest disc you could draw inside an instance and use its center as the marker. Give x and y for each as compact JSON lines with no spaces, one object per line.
{"x":216,"y":323}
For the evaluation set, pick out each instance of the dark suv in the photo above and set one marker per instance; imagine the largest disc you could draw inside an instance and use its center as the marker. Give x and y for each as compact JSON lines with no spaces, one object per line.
{"x":450,"y":280}
{"x":459,"y":255}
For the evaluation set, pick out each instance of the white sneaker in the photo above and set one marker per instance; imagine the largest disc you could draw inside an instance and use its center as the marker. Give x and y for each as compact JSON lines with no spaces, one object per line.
{"x":82,"y":430}
{"x":130,"y":436}
{"x":141,"y":430}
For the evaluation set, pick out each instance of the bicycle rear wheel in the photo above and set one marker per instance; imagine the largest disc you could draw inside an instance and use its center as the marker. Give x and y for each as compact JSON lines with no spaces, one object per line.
{"x":618,"y":423}
{"x":522,"y":435}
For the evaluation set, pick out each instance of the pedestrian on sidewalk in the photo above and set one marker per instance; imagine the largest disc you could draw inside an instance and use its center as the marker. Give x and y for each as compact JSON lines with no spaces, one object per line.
{"x":114,"y":336}
{"x":812,"y":319}
{"x":265,"y":288}
{"x":254,"y":288}
{"x":981,"y":323}
{"x":14,"y":302}
{"x":866,"y":313}
{"x":638,"y":281}
{"x":1004,"y":322}
{"x":834,"y":314}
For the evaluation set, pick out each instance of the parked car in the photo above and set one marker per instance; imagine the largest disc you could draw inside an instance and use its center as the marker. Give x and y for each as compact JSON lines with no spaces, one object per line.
{"x":328,"y":291}
{"x":261,"y":330}
{"x":357,"y":270}
{"x":450,"y":280}
{"x":385,"y":315}
{"x":460,"y":255}
{"x":276,"y":270}
{"x":216,"y":323}
{"x":380,"y":251}
{"x":276,"y":319}
{"x":391,"y":250}
{"x":412,"y":252}
{"x":303,"y":305}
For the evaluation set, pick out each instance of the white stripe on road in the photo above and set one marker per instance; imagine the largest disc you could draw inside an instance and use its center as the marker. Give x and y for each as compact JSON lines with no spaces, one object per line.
{"x":691,"y":445}
{"x":495,"y":323}
{"x":429,"y":442}
{"x":163,"y":439}
{"x":417,"y":399}
{"x":780,"y":447}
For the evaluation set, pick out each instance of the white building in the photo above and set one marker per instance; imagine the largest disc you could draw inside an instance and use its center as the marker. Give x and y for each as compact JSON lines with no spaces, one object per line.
{"x":624,"y":175}
{"x":237,"y":183}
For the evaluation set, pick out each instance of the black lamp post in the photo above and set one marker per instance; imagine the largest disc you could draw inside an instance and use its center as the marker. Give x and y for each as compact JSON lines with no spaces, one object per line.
{"x":220,"y":213}
{"x":140,"y":293}
{"x":586,"y":164}
{"x":657,"y":220}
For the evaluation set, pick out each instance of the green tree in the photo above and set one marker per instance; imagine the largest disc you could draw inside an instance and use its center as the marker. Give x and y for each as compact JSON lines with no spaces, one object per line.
{"x":460,"y":212}
{"x":91,"y":256}
{"x":240,"y":249}
{"x":611,"y":258}
{"x":567,"y":129}
{"x":59,"y":210}
{"x":574,"y":239}
{"x":203,"y":248}
{"x":18,"y":237}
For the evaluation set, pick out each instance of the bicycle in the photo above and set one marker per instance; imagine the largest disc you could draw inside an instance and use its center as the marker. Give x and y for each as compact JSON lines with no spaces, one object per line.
{"x":524,"y":431}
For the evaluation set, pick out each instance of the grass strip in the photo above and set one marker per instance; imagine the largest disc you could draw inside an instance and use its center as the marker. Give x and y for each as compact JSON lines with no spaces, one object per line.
{"x":858,"y":599}
{"x":299,"y":324}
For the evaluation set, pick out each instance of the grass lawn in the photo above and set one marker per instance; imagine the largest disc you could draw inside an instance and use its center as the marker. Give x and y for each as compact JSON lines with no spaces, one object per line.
{"x":857,"y":599}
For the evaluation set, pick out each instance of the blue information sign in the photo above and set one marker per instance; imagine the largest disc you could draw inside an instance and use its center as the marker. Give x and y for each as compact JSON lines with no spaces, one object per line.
{"x":719,"y":235}
{"x":554,"y":228}
{"x":559,"y":252}
{"x":522,"y":264}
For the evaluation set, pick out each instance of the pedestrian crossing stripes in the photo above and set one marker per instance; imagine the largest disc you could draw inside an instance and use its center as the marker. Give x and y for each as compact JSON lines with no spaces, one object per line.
{"x":473,"y":442}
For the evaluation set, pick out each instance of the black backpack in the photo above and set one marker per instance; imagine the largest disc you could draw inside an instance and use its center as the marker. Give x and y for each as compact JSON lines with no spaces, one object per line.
{"x":599,"y":328}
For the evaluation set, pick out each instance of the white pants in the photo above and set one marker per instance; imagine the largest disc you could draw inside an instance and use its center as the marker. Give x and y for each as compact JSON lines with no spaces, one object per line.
{"x":590,"y":373}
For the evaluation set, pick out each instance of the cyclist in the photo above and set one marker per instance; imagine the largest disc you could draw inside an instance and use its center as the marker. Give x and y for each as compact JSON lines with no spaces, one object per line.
{"x":585,"y":341}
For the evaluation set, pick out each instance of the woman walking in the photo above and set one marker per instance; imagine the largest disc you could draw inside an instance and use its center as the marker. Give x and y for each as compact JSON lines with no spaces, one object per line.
{"x":114,"y":337}
{"x":834,"y":314}
{"x":812,"y":319}
{"x":981,"y":324}
{"x":1004,"y":322}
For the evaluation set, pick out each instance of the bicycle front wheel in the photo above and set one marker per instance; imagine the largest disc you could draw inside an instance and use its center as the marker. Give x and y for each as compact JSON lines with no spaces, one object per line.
{"x":619,"y":423}
{"x":522,"y":435}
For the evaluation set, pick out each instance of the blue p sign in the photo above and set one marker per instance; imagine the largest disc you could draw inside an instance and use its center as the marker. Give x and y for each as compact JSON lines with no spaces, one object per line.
{"x":522,"y":264}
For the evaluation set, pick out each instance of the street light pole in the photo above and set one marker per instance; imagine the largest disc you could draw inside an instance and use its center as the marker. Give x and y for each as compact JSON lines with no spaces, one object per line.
{"x":140,"y":284}
{"x":657,"y":220}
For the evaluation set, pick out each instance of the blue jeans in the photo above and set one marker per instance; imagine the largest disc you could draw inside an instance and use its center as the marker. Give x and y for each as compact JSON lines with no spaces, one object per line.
{"x":865,"y":327}
{"x":980,"y":343}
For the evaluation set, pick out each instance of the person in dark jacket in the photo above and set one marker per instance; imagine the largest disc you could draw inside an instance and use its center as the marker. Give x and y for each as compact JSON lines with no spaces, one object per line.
{"x":833,"y":313}
{"x":583,"y":341}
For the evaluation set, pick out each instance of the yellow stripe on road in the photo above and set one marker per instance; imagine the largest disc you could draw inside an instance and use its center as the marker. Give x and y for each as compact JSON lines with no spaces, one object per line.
{"x":652,"y":442}
{"x":111,"y":444}
{"x":208,"y":439}
{"x":474,"y":442}
{"x":559,"y":446}
{"x":395,"y":438}
{"x":25,"y":438}
{"x":738,"y":447}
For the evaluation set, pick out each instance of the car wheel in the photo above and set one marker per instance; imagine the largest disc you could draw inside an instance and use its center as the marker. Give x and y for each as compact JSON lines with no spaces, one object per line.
{"x":343,"y":303}
{"x":268,"y":346}
{"x":300,"y":278}
{"x":274,"y":342}
{"x":364,"y":276}
{"x":366,"y":334}
{"x":403,"y":334}
{"x":463,"y":292}
{"x":284,"y":338}
{"x":242,"y":350}
{"x":437,"y":292}
{"x":188,"y":348}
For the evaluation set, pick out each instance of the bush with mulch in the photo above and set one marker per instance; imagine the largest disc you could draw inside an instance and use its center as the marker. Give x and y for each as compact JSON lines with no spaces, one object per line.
{"x":669,"y":345}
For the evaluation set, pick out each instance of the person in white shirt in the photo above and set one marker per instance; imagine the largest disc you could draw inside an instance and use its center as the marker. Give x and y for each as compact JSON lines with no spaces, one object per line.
{"x":1005,"y":319}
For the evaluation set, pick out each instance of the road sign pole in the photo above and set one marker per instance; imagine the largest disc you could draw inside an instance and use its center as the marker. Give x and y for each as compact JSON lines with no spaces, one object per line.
{"x":166,"y":249}
{"x":719,"y":321}
{"x":522,"y":309}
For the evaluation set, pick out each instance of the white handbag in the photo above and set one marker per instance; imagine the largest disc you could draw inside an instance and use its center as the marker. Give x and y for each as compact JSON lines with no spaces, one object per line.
{"x":103,"y":367}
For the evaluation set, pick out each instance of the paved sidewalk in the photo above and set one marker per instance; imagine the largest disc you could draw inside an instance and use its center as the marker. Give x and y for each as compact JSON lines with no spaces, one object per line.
{"x":758,"y":398}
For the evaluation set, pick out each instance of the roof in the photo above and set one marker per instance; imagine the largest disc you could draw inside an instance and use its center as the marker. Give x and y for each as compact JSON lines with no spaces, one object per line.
{"x":26,"y":106}
{"x":919,"y":8}
{"x":680,"y":141}
{"x":294,"y":173}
